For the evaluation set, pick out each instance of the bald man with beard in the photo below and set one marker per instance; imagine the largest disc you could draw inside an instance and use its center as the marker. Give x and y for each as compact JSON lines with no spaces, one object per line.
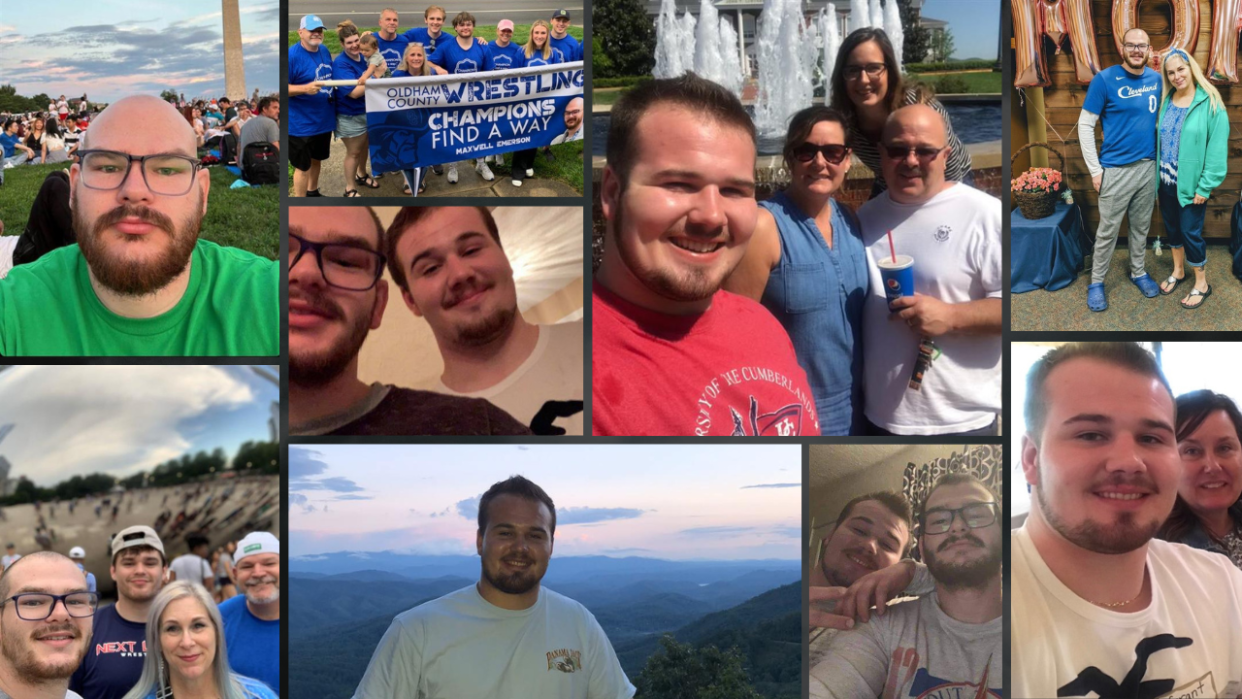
{"x":139,"y":281}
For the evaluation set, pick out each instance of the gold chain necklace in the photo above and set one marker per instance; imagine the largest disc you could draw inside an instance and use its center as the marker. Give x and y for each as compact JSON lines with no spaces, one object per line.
{"x":1114,"y":605}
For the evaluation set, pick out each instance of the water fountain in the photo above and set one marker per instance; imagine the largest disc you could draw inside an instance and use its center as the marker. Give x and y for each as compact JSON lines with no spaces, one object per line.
{"x":732,"y":78}
{"x":708,"y":63}
{"x":892,"y":27}
{"x":668,"y":48}
{"x":832,"y":42}
{"x":687,"y":40}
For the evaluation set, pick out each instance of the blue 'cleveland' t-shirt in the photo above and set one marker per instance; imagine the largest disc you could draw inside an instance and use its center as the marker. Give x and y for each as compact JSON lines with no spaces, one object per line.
{"x":537,"y":59}
{"x":504,"y":58}
{"x":569,"y":46}
{"x":392,"y":51}
{"x":1127,"y":105}
{"x":453,"y":58}
{"x":345,"y":68}
{"x":114,"y":657}
{"x":422,"y":35}
{"x":254,"y":644}
{"x":310,"y":115}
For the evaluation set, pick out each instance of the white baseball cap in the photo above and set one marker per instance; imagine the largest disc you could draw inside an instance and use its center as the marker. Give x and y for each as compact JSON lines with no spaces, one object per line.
{"x":255,"y":543}
{"x":77,"y":552}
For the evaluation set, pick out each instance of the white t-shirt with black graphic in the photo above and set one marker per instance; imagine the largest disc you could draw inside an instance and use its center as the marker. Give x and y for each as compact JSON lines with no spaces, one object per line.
{"x":1187,"y":643}
{"x":461,"y":645}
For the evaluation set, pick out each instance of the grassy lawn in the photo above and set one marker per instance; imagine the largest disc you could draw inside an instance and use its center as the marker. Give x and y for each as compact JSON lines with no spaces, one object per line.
{"x":247,"y":218}
{"x":976,"y":82}
{"x":521,"y":32}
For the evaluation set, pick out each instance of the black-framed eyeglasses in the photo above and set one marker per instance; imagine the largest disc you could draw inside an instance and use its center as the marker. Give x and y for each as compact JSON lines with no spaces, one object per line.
{"x":925,"y":154}
{"x":975,"y":515}
{"x":1137,"y":47}
{"x":167,"y":174}
{"x":873,"y":70}
{"x":37,"y":606}
{"x":343,"y":266}
{"x":834,"y":153}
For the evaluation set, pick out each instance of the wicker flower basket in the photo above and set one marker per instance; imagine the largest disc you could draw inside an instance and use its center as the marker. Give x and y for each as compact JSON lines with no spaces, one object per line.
{"x":1035,"y":205}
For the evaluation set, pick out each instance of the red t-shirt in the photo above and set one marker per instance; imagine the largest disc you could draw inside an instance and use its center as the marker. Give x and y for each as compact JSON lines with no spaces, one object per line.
{"x":728,"y":372}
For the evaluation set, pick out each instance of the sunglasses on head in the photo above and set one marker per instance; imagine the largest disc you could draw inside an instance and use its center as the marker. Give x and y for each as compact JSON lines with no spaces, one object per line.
{"x":834,"y":153}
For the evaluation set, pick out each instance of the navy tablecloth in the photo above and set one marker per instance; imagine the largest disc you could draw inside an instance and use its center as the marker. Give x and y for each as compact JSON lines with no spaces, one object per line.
{"x":1046,"y":253}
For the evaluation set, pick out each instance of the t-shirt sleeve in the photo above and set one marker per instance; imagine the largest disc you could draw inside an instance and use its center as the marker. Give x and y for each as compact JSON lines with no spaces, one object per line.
{"x":608,"y":680}
{"x":439,"y":56}
{"x":986,"y":255}
{"x":395,"y":666}
{"x":855,"y":665}
{"x":1096,"y":97}
{"x":206,"y":570}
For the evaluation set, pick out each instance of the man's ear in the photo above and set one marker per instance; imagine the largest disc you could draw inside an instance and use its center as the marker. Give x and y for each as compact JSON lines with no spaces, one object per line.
{"x":410,"y":303}
{"x":610,"y":193}
{"x":381,"y":302}
{"x":1030,"y":460}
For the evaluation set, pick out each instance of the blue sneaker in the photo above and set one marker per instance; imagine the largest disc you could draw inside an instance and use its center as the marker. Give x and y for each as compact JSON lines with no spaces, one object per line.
{"x":1096,"y":300}
{"x":1147,"y":285}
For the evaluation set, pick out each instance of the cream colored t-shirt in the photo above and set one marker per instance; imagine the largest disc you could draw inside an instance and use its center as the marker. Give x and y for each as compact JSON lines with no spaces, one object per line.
{"x":552,"y":372}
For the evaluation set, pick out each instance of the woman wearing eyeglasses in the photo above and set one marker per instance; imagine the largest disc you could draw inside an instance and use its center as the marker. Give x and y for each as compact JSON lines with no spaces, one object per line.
{"x":1207,"y":514}
{"x":185,"y":656}
{"x":867,"y":87}
{"x":807,"y":264}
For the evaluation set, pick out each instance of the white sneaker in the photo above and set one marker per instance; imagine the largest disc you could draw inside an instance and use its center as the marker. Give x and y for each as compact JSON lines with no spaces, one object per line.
{"x":452,"y":174}
{"x":516,"y":183}
{"x":530,"y":172}
{"x":485,"y":171}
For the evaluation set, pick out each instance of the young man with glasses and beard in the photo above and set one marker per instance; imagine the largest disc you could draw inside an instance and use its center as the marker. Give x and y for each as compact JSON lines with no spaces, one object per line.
{"x":948,"y":641}
{"x":46,"y":616}
{"x":505,"y":637}
{"x":140,"y":282}
{"x":1100,"y":608}
{"x":932,"y":361}
{"x":336,"y":297}
{"x":115,"y":655}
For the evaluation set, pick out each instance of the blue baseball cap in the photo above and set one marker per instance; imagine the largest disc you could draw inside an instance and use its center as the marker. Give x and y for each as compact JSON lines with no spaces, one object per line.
{"x":311,"y":22}
{"x":560,"y":13}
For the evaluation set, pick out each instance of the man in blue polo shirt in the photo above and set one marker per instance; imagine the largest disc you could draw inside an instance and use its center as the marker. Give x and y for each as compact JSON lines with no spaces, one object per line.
{"x":1125,"y":98}
{"x":252,"y":618}
{"x":312,"y":116}
{"x":464,"y":55}
{"x":561,"y":40}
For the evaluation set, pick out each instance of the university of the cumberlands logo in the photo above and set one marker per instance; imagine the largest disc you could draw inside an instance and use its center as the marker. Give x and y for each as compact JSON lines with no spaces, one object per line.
{"x":565,"y":660}
{"x":942,"y":233}
{"x":126,"y":649}
{"x":1132,"y":686}
{"x":783,"y":422}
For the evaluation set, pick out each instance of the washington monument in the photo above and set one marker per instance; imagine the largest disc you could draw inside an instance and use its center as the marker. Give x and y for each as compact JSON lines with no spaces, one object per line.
{"x":234,"y":64}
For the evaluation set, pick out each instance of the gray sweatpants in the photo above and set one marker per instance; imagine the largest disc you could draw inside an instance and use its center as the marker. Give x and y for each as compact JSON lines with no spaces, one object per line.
{"x":1129,"y":189}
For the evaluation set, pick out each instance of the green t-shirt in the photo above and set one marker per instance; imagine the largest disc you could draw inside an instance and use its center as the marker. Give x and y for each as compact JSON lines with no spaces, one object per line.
{"x":231,"y":307}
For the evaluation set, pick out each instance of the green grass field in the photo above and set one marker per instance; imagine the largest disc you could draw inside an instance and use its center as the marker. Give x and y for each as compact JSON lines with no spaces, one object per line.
{"x":521,"y":32}
{"x":247,"y":218}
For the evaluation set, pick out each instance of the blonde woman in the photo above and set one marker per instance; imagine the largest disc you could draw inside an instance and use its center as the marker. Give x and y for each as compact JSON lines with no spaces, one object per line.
{"x":538,"y":51}
{"x":186,"y":656}
{"x":1192,"y":151}
{"x":413,"y":63}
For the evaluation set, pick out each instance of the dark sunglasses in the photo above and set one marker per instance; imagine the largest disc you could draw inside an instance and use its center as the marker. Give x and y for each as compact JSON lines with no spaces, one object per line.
{"x":834,"y":153}
{"x":925,"y":154}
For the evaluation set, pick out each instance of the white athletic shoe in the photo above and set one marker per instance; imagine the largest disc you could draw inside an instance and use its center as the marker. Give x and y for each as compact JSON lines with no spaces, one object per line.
{"x":530,"y":172}
{"x":516,"y":183}
{"x":485,"y":171}
{"x":452,"y":173}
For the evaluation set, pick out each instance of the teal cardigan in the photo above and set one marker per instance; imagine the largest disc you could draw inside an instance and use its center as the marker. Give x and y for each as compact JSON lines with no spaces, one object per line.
{"x":1203,"y":150}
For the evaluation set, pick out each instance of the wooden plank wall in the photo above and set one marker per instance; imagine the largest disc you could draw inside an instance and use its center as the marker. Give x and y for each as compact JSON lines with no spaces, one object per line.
{"x":1063,"y":103}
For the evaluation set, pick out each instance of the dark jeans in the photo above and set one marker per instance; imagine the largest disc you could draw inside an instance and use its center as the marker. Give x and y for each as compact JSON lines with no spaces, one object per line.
{"x":523,"y":160}
{"x":1183,"y":224}
{"x":874,"y":430}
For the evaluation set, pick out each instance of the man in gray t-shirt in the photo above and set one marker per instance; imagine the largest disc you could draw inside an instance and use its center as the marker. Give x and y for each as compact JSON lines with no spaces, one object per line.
{"x":949,"y":640}
{"x":264,"y":127}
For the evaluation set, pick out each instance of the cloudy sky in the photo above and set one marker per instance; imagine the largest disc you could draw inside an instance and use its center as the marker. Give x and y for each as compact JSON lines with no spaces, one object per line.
{"x":71,"y":420}
{"x":112,"y":48}
{"x":665,"y":501}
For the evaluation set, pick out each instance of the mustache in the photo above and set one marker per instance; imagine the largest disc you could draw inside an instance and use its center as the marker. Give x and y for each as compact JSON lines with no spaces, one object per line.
{"x":267,"y":579}
{"x":456,"y":295}
{"x":954,"y":539}
{"x":142,"y":213}
{"x":1136,"y":480}
{"x":317,"y":300}
{"x":57,"y":629}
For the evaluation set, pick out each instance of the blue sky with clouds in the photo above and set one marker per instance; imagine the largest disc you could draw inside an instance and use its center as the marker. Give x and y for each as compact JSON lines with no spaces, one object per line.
{"x":75,"y":420}
{"x":975,"y":25}
{"x":675,"y":502}
{"x":112,"y":48}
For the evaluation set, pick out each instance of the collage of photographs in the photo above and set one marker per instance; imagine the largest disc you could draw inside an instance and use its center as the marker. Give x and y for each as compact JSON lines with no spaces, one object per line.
{"x":769,"y":338}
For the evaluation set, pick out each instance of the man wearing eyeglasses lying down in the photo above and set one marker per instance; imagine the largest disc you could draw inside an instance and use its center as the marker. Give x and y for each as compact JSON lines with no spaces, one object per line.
{"x":932,"y":357}
{"x":139,"y":281}
{"x":947,"y":643}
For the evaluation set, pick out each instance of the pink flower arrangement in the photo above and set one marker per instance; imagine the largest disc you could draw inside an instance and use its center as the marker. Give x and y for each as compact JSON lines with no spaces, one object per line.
{"x":1037,"y":179}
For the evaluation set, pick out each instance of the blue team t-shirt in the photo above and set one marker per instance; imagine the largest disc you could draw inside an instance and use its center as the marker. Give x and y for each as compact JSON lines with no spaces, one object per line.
{"x":114,"y":657}
{"x":537,"y":59}
{"x":504,"y":58}
{"x":254,"y":644}
{"x":9,"y":143}
{"x":1128,"y":106}
{"x":453,"y":58}
{"x":251,"y":688}
{"x":422,"y":35}
{"x":569,"y":46}
{"x":345,"y":68}
{"x":310,"y":115}
{"x":392,"y":51}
